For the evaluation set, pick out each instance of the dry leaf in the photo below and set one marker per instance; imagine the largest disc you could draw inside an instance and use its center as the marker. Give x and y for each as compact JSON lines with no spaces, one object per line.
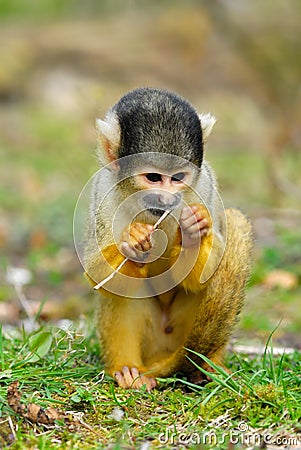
{"x":47,"y":416}
{"x":280,"y":278}
{"x":13,"y":397}
{"x":38,"y":239}
{"x":32,"y":411}
{"x":9,"y":312}
{"x":37,"y":414}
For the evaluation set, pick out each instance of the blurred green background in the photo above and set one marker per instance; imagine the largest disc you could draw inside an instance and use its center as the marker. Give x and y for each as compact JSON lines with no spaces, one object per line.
{"x":63,"y":63}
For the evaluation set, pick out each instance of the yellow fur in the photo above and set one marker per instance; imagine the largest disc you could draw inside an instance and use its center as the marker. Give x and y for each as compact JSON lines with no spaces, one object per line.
{"x":202,"y":315}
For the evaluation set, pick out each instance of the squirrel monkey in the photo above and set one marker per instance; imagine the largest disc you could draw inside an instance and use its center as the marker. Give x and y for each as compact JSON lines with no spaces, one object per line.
{"x":181,"y":287}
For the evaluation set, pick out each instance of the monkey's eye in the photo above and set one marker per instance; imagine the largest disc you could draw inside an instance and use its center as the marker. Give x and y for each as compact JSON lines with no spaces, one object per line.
{"x":153,"y":177}
{"x":178,"y":176}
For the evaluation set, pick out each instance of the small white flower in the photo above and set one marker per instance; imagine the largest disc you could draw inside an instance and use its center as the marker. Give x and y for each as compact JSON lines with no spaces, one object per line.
{"x":64,"y":324}
{"x":145,"y":446}
{"x":18,"y":276}
{"x":117,"y":414}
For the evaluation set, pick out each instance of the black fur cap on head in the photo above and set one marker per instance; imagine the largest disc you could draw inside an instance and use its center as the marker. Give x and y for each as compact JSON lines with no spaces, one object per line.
{"x":156,"y":120}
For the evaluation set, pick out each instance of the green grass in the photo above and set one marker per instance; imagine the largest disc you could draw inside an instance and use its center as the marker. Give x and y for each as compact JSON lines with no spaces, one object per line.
{"x":61,"y":369}
{"x":266,"y":307}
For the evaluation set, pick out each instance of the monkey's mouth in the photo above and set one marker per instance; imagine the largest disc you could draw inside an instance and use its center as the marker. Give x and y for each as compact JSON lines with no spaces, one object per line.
{"x":156,"y":211}
{"x":157,"y":207}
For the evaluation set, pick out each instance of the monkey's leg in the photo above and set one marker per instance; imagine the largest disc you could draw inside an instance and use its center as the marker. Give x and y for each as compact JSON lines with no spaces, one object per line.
{"x":222,"y":299}
{"x":121,"y":327}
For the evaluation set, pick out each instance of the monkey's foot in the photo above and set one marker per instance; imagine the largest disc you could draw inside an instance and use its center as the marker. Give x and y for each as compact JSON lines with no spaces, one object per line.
{"x":201,"y":379}
{"x":132,"y":379}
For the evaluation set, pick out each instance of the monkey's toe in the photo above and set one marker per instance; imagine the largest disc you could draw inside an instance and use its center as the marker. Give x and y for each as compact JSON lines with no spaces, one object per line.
{"x":132,"y":379}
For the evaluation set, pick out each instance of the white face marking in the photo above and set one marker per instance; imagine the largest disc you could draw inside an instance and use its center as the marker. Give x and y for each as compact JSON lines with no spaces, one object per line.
{"x":171,"y":181}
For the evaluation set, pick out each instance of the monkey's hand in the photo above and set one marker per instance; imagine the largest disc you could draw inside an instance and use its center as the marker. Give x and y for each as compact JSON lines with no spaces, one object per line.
{"x":136,"y":241}
{"x":195,"y":224}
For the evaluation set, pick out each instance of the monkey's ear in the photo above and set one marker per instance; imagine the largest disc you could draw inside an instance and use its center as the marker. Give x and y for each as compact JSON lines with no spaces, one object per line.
{"x":108,"y":133}
{"x":207,"y":123}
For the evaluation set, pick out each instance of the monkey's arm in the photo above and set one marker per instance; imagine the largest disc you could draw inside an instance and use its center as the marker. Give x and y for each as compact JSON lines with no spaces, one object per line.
{"x":198,"y":247}
{"x":103,"y":263}
{"x":135,"y":242}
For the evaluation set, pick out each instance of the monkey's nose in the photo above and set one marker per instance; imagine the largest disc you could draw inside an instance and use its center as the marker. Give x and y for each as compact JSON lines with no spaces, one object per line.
{"x":171,"y":201}
{"x":157,"y":203}
{"x":162,"y":200}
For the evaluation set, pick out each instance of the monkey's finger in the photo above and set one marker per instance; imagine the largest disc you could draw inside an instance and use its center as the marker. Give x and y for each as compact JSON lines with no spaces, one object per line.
{"x":146,"y":246}
{"x":191,"y":240}
{"x":127,"y":377}
{"x":132,"y":379}
{"x":143,"y":228}
{"x":203,"y":223}
{"x":190,"y":219}
{"x":195,"y":236}
{"x":128,"y":251}
{"x":197,"y":212}
{"x":204,"y":232}
{"x":186,"y":213}
{"x":131,"y":252}
{"x":189,"y":222}
{"x":153,"y":383}
{"x":194,"y":228}
{"x":198,"y":233}
{"x":137,"y":229}
{"x":140,"y":240}
{"x":120,"y":380}
{"x":142,"y":246}
{"x":146,"y":230}
{"x":141,"y":380}
{"x":198,"y":226}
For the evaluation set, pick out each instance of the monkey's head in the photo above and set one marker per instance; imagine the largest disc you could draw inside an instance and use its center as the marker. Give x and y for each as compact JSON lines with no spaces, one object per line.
{"x":155,"y":140}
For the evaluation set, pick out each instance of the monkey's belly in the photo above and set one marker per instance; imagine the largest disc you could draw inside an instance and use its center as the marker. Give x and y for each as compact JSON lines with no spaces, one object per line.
{"x":167,"y":327}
